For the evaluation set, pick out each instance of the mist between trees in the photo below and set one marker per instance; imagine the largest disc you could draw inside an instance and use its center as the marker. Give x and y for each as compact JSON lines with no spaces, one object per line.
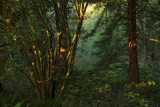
{"x":79,"y":53}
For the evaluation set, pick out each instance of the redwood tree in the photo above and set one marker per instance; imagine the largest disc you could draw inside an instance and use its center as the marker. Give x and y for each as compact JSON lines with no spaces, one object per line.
{"x":132,"y":43}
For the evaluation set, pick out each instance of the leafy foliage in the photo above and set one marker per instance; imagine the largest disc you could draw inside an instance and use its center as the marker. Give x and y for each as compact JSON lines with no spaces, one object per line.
{"x":100,"y":72}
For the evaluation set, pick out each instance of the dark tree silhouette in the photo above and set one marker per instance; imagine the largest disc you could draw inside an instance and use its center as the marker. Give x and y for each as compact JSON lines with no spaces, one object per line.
{"x":132,"y":43}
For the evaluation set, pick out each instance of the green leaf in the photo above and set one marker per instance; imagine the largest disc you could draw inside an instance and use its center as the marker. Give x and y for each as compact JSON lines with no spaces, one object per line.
{"x":14,"y":37}
{"x":146,"y":105}
{"x":19,"y":104}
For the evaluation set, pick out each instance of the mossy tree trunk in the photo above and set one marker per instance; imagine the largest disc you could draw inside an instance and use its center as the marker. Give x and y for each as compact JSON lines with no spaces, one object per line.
{"x":45,"y":47}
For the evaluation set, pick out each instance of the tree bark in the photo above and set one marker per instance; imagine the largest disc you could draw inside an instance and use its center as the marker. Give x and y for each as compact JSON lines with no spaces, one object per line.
{"x":132,"y":43}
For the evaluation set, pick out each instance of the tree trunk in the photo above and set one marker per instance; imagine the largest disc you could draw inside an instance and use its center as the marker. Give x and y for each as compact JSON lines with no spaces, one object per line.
{"x":64,"y":33}
{"x":152,"y":56}
{"x":145,"y":52}
{"x":132,"y":43}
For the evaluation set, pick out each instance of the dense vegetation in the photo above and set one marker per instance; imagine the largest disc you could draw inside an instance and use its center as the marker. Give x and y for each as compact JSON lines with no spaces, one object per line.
{"x":80,"y":53}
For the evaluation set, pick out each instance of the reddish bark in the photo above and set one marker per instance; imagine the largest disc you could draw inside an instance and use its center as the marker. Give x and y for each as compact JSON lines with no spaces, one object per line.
{"x":132,"y":43}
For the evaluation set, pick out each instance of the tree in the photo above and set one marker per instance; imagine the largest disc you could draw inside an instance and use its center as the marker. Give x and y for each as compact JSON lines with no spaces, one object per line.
{"x":132,"y":43}
{"x":42,"y":41}
{"x":109,"y":30}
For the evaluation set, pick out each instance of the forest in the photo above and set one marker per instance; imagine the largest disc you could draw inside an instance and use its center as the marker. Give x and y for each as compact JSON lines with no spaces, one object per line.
{"x":79,"y":53}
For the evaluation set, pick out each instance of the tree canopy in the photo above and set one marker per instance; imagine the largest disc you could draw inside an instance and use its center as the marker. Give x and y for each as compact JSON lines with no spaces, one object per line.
{"x":79,"y":52}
